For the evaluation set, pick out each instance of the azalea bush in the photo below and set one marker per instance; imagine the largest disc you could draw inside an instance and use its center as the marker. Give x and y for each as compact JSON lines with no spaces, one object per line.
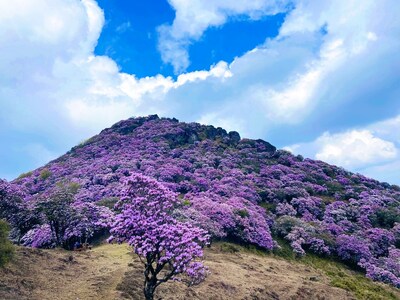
{"x":63,"y":220}
{"x":17,"y":209}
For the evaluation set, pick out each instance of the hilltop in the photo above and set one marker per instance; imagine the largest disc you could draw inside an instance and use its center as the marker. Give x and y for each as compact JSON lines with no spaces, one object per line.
{"x":241,"y":190}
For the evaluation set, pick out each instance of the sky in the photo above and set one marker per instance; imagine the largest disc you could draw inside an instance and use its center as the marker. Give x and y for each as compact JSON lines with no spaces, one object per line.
{"x":319,"y":78}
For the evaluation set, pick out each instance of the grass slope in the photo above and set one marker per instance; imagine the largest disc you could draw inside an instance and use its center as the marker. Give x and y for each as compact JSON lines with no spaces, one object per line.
{"x":111,"y":272}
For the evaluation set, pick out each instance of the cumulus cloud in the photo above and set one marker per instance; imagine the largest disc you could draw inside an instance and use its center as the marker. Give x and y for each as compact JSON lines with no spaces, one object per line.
{"x":388,"y":129}
{"x":354,"y":149}
{"x":373,"y":150}
{"x":194,"y":17}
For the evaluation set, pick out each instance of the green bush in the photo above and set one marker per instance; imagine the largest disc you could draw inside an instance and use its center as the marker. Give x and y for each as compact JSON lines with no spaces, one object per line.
{"x":108,"y":202}
{"x":242,"y":213}
{"x":23,"y":175}
{"x":6,"y":248}
{"x":45,"y":174}
{"x":385,"y":217}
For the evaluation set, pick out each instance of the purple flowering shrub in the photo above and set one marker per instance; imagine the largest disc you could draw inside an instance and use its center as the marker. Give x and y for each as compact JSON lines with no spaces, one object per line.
{"x":233,"y":188}
{"x":39,"y":236}
{"x":234,"y":217}
{"x":303,"y":235}
{"x":62,"y":220}
{"x":16,"y":209}
{"x":385,"y":268}
{"x":168,"y":248}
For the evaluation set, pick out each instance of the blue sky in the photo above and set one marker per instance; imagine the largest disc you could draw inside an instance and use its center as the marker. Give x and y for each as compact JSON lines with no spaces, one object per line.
{"x":314,"y":77}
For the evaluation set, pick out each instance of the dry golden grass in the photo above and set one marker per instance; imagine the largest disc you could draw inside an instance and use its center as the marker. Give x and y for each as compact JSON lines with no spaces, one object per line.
{"x":111,"y":272}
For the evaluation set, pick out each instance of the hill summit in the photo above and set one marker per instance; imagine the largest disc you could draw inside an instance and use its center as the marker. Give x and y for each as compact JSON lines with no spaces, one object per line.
{"x":241,"y":190}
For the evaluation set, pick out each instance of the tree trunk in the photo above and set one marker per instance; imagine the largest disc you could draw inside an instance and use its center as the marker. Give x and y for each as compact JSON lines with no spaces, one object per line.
{"x":149,"y":289}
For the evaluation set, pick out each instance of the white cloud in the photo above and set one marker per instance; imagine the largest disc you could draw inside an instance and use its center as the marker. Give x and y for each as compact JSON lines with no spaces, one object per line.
{"x":373,"y":151}
{"x":388,"y":129}
{"x":355,"y":148}
{"x":194,"y":17}
{"x":229,"y":124}
{"x":388,"y":172}
{"x":124,"y":27}
{"x":288,"y":104}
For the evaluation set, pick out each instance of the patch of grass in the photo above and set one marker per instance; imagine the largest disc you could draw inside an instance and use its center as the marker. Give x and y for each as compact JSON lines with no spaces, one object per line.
{"x":327,"y":199}
{"x":268,"y":206}
{"x":186,"y":202}
{"x":44,"y":174}
{"x":229,"y":247}
{"x":6,"y":248}
{"x":108,"y":202}
{"x":340,"y":275}
{"x":284,"y":251}
{"x":23,"y":175}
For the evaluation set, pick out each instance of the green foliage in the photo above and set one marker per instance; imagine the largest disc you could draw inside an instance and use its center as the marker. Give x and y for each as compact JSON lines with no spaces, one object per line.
{"x":86,"y":142}
{"x":341,"y":276}
{"x":68,"y":187}
{"x":329,"y":172}
{"x":284,"y":250}
{"x":242,"y":213}
{"x":228,"y":247}
{"x":268,"y":206}
{"x":327,"y":199}
{"x":263,"y":194}
{"x":23,"y":175}
{"x":355,"y":282}
{"x":74,"y":187}
{"x":6,"y":248}
{"x":186,"y":202}
{"x":108,"y":202}
{"x":44,"y":174}
{"x":334,"y":187}
{"x":385,"y":217}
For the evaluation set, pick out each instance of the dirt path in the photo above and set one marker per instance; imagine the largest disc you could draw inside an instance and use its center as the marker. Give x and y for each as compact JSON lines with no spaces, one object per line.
{"x":98,"y":273}
{"x":110,"y":272}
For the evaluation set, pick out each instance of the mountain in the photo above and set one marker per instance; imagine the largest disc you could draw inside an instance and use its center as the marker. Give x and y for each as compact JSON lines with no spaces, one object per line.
{"x":241,"y":190}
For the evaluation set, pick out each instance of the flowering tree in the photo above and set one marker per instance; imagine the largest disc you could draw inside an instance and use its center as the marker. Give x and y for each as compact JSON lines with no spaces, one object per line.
{"x":66,"y":220}
{"x":57,"y":212}
{"x":166,"y":247}
{"x":16,"y":210}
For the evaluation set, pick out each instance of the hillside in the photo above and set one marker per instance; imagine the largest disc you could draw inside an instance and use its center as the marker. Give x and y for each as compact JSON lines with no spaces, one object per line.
{"x":241,"y":190}
{"x":110,"y":272}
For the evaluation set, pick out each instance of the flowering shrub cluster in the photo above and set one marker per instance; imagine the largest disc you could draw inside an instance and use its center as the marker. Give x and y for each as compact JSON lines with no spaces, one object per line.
{"x":51,"y":219}
{"x":235,"y":188}
{"x":233,"y":217}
